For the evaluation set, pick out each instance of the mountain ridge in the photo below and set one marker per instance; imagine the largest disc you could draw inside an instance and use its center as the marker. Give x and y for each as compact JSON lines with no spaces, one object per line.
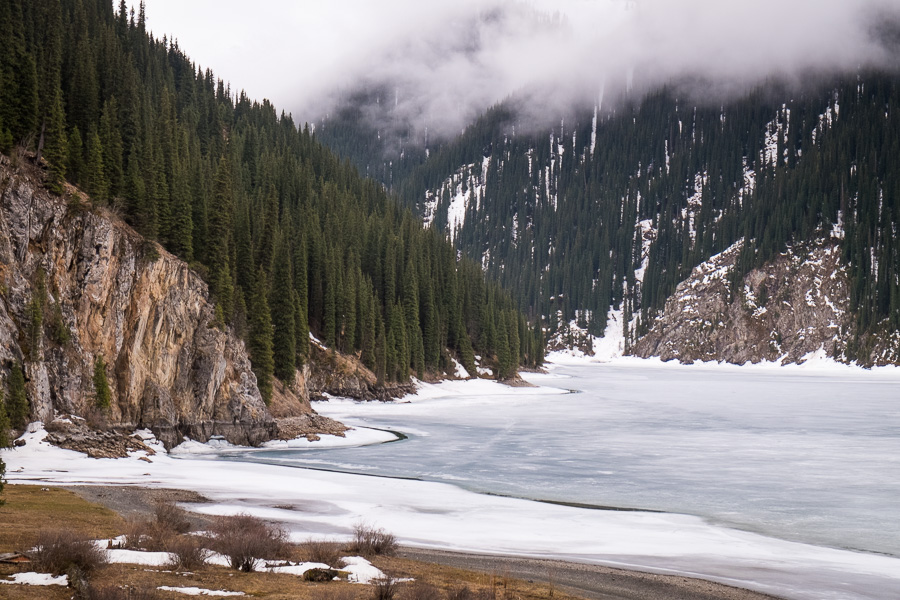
{"x":613,"y":209}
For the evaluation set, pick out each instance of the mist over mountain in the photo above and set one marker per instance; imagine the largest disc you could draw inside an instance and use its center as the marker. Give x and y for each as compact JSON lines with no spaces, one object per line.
{"x":443,"y":63}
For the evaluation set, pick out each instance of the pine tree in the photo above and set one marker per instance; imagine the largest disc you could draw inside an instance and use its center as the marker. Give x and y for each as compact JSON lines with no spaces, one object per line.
{"x":102,"y":392}
{"x":35,"y":328}
{"x":260,"y":335}
{"x":220,"y":228}
{"x":4,"y":423}
{"x":411,"y":316}
{"x":504,"y":356}
{"x":75,"y":155}
{"x":301,"y":335}
{"x":380,"y":354}
{"x":18,"y":74}
{"x":301,"y":302}
{"x":369,"y":341}
{"x":283,"y":315}
{"x":17,"y":406}
{"x":94,"y":177}
{"x":56,"y":149}
{"x":181,"y":239}
{"x":330,"y":305}
{"x":112,"y":148}
{"x":431,"y":333}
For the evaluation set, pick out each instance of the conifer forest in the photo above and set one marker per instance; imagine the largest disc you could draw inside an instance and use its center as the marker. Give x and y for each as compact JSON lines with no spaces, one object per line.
{"x":291,"y":239}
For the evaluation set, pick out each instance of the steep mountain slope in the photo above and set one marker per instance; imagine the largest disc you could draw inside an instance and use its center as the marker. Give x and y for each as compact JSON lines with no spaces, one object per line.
{"x":79,"y":287}
{"x":291,"y":240}
{"x":616,"y":206}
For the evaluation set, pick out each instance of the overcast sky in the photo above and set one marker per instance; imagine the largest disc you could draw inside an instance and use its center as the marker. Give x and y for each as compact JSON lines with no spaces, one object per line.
{"x":453,"y":58}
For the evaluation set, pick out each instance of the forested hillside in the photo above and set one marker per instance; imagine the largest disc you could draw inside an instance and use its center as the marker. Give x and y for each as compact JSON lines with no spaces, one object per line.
{"x":291,"y":240}
{"x":615,"y":207}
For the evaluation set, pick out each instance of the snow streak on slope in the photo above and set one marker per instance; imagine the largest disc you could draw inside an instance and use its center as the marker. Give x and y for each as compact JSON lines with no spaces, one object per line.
{"x":463,"y":187}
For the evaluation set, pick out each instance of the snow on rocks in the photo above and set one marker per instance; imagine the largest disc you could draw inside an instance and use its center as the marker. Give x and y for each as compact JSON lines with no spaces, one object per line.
{"x":361,"y":570}
{"x":36,"y":579}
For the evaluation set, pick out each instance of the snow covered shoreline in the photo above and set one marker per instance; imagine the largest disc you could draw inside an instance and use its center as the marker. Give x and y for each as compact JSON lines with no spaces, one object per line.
{"x":314,"y":504}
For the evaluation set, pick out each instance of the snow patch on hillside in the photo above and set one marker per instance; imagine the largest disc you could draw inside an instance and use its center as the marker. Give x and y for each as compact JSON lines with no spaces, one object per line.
{"x":464,"y":186}
{"x":648,"y":236}
{"x":609,"y":346}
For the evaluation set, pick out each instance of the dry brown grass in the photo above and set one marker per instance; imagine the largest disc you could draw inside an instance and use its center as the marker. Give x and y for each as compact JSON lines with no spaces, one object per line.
{"x":29,"y":509}
{"x":458,"y":584}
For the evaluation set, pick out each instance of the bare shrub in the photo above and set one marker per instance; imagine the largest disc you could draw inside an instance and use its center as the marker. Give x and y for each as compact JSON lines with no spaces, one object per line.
{"x":384,"y":588}
{"x":369,"y":541}
{"x":157,"y":535}
{"x":321,"y":551}
{"x":245,"y":540}
{"x":169,"y":516}
{"x":187,"y":552}
{"x":419,"y":590}
{"x":58,"y":551}
{"x":147,"y":535}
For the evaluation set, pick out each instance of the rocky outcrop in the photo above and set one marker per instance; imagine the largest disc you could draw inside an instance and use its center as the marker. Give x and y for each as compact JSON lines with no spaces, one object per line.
{"x":70,"y":434}
{"x":335,"y":374}
{"x":794,"y":306}
{"x":309,"y":426}
{"x":111,"y":294}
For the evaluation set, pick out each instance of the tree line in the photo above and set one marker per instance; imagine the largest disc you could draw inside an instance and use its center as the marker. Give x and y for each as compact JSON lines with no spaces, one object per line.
{"x":559,"y":221}
{"x":291,"y":239}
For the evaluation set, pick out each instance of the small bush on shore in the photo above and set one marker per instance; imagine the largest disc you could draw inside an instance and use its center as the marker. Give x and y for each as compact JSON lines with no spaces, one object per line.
{"x":147,"y":535}
{"x":369,"y":541}
{"x":245,"y":540}
{"x":188,"y":552}
{"x":321,"y":551}
{"x":58,"y":551}
{"x":157,"y":535}
{"x":384,"y":588}
{"x":170,"y":517}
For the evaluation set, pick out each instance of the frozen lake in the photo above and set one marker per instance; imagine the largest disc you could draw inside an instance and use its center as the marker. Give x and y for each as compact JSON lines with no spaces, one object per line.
{"x":802,"y":454}
{"x":781,"y":480}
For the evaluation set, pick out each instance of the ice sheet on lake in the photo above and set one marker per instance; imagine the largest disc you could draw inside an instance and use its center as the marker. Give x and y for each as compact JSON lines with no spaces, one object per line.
{"x":635,"y":417}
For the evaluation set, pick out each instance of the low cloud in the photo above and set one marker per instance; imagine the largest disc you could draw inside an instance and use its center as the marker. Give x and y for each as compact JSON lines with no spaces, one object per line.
{"x":448,"y":60}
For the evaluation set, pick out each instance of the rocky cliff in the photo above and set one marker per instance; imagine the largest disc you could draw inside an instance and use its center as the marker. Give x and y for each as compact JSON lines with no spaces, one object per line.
{"x":795,"y":306}
{"x":105,"y":292}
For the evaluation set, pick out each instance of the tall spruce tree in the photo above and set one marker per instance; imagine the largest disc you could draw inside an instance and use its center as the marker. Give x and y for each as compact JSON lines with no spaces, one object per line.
{"x":4,"y":423}
{"x":284,"y":340}
{"x":102,"y":391}
{"x":260,"y":336}
{"x":17,"y":405}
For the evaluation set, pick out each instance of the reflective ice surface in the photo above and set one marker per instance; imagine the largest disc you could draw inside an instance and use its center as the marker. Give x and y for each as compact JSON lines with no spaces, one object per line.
{"x":811,"y":456}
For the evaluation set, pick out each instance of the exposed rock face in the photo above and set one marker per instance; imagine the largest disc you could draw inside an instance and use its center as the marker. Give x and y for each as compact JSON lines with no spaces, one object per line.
{"x":128,"y":301}
{"x":345,"y":376}
{"x":96,"y":444}
{"x":795,"y":305}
